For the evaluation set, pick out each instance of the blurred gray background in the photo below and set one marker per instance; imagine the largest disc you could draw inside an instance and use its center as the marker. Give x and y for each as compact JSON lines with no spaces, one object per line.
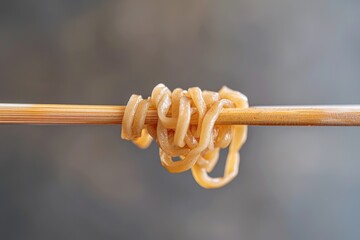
{"x":84,"y":182}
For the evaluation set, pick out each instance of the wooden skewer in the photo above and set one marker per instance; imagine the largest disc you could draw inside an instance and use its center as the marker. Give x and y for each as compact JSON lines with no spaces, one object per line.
{"x":341,"y":115}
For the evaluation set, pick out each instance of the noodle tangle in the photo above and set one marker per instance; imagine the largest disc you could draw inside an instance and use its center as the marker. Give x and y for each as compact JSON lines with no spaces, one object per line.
{"x":196,"y":145}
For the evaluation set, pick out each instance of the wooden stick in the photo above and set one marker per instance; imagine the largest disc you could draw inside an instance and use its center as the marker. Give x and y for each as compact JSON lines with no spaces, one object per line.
{"x":346,"y":115}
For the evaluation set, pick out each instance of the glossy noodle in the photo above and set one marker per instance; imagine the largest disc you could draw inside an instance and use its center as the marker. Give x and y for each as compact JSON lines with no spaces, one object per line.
{"x":197,"y":146}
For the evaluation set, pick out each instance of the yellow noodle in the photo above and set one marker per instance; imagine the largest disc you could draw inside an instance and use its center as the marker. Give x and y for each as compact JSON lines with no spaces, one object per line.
{"x":197,"y":146}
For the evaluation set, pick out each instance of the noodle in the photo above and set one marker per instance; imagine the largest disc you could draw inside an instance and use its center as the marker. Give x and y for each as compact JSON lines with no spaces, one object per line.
{"x":197,"y":146}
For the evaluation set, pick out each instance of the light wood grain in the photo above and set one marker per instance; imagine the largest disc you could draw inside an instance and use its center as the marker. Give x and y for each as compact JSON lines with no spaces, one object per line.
{"x":341,"y":115}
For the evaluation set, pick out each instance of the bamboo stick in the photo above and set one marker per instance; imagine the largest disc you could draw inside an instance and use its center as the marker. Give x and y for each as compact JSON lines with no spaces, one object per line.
{"x":336,"y":115}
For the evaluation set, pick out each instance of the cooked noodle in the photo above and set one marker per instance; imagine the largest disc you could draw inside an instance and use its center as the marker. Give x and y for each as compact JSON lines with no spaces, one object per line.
{"x":197,"y":146}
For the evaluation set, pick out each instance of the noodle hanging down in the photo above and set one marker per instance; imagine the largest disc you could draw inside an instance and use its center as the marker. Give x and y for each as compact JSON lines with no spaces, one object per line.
{"x":197,"y":146}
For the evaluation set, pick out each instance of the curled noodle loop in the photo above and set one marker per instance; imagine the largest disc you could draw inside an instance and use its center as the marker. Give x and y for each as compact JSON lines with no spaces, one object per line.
{"x":197,"y":146}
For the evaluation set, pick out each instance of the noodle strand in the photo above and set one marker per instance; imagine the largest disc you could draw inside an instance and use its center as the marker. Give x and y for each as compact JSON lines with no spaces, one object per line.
{"x":196,"y":146}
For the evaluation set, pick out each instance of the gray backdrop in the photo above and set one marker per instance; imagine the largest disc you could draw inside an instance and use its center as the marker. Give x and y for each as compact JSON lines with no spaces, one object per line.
{"x":84,"y":182}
